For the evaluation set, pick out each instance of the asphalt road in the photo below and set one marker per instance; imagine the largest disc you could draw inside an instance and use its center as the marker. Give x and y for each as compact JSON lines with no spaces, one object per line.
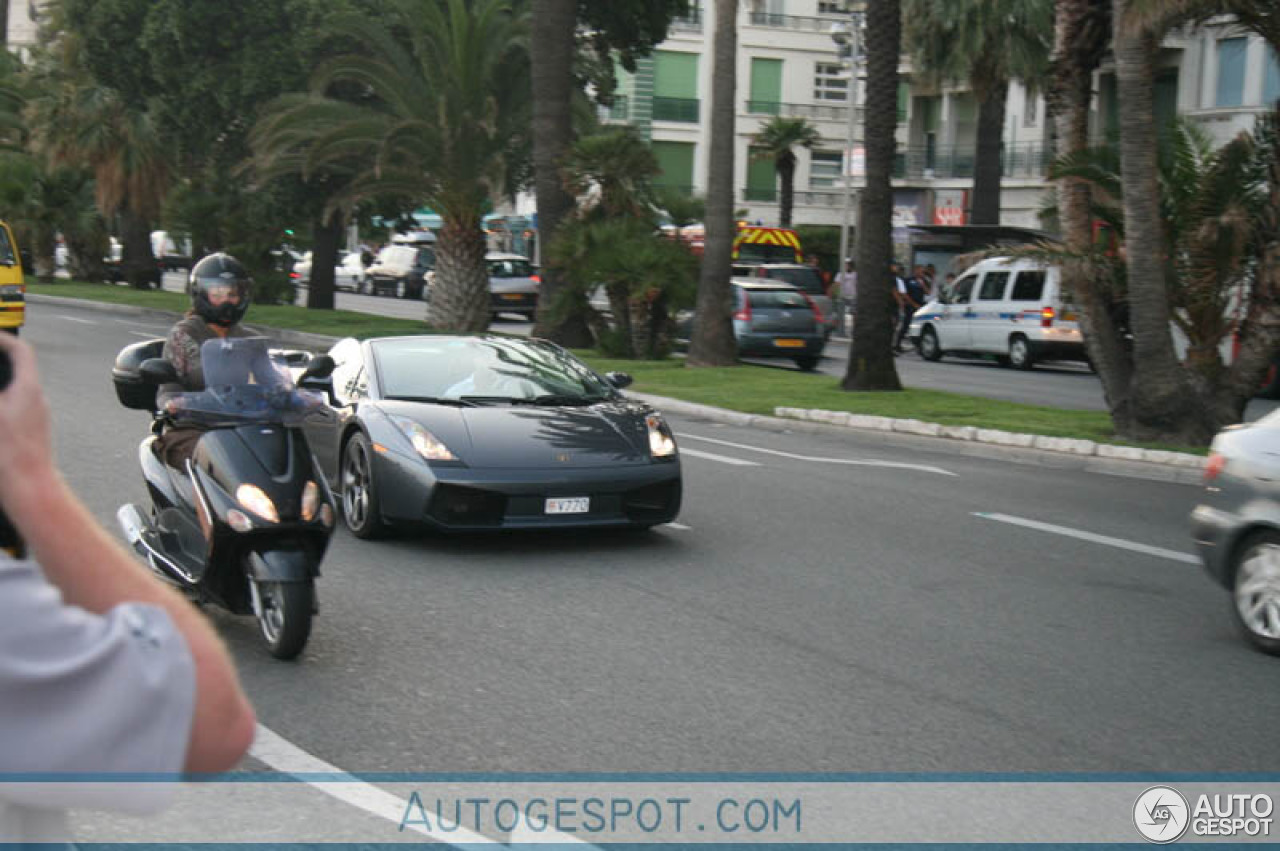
{"x":819,"y":607}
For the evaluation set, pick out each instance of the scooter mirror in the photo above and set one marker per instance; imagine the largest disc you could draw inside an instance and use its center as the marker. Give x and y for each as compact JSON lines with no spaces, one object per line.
{"x":320,"y":366}
{"x":157,"y":371}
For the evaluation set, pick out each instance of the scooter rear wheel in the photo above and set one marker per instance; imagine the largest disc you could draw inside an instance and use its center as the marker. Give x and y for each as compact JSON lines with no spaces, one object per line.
{"x":285,"y":621}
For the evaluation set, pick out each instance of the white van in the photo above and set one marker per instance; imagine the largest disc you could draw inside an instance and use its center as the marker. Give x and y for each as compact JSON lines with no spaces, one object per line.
{"x":1012,"y":309}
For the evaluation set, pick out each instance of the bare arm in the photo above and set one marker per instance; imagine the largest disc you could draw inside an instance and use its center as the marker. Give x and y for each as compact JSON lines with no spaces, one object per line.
{"x":95,"y":573}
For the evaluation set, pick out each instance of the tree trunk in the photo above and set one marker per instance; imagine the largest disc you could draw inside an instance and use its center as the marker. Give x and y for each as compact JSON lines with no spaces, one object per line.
{"x":871,"y":364}
{"x":324,"y":256}
{"x":1163,"y":409}
{"x":554,"y":25}
{"x":713,"y":343}
{"x":1081,"y":34}
{"x":136,"y":260}
{"x":786,"y":167}
{"x":460,"y":295}
{"x":84,"y":258}
{"x":987,"y":166}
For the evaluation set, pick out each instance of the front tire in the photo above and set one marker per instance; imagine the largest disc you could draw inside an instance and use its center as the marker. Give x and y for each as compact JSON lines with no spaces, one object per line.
{"x":360,"y":504}
{"x":1020,"y":356}
{"x":285,"y":620}
{"x":930,"y":350}
{"x":1255,"y":591}
{"x":808,"y":363}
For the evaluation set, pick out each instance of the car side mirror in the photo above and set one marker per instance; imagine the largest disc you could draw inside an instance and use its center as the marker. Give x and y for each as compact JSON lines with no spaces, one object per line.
{"x":157,"y":371}
{"x":320,"y":366}
{"x":620,"y":380}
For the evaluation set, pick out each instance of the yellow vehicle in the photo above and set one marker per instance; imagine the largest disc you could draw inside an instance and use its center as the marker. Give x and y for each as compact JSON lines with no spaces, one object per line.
{"x":13,"y":291}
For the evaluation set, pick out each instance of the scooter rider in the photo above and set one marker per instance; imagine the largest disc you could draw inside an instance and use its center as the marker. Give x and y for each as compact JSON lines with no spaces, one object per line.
{"x":219,"y":285}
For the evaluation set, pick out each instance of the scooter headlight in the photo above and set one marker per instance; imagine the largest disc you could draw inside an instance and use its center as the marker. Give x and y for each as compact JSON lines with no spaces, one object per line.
{"x":254,"y":499}
{"x":310,"y":501}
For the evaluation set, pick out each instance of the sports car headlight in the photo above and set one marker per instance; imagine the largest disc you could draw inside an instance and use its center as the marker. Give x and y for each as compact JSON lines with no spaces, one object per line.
{"x":310,"y":501}
{"x":661,"y":442}
{"x":256,"y":500}
{"x":424,"y":442}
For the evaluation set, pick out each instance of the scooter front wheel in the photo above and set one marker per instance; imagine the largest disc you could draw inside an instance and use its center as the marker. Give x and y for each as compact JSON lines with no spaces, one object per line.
{"x":284,"y":615}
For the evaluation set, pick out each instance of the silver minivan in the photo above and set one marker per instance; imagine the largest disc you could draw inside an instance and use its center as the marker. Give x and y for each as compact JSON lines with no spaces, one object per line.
{"x":1012,"y":309}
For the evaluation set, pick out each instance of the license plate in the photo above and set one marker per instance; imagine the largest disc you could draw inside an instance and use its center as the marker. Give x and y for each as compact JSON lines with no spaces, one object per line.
{"x":512,"y":296}
{"x":569,"y":505}
{"x":789,"y":344}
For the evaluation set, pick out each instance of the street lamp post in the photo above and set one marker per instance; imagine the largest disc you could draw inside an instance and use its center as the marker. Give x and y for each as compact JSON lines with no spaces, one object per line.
{"x":848,"y":38}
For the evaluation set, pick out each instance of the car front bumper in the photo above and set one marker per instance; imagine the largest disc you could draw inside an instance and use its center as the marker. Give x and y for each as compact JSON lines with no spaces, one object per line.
{"x":1215,"y":533}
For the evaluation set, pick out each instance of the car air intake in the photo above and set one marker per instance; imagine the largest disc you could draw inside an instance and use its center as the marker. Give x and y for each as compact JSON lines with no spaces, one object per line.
{"x":652,"y":502}
{"x":455,"y":505}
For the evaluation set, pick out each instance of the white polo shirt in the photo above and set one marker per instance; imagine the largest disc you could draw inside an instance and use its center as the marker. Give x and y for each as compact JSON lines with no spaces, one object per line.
{"x":85,"y":695}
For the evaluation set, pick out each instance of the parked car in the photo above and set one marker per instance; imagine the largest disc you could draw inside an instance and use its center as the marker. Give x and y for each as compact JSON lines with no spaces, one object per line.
{"x":770,"y":319}
{"x":1236,"y":526}
{"x":114,"y":263}
{"x":169,"y":253}
{"x":349,"y":274}
{"x":400,"y":270}
{"x":513,"y":284}
{"x":804,"y":278}
{"x":489,"y":432}
{"x":1011,"y":309}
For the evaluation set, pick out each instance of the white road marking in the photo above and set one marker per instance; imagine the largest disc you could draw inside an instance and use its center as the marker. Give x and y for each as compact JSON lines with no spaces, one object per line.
{"x":77,"y":319}
{"x":856,"y":462}
{"x":723,"y":459}
{"x":680,"y":526}
{"x":1068,"y":532}
{"x":150,"y":336}
{"x":288,"y":758}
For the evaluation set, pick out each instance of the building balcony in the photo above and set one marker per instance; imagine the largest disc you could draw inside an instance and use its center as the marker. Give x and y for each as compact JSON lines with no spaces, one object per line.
{"x":689,"y":23}
{"x":806,"y":23}
{"x":686,"y":190}
{"x":676,"y":109}
{"x":832,"y":198}
{"x":766,"y":194}
{"x":820,"y":111}
{"x":1025,"y":159}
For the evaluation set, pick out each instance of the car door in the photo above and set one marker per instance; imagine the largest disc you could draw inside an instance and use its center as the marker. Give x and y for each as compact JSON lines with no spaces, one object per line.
{"x":989,"y":329}
{"x":952,"y":326}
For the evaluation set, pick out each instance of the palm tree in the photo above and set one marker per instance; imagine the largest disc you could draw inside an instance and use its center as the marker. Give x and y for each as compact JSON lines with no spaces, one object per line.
{"x":76,"y":123}
{"x":432,"y":117}
{"x":551,"y":65}
{"x":775,"y":141}
{"x":871,"y":357}
{"x":618,"y":165}
{"x":713,"y":343}
{"x":985,"y":43}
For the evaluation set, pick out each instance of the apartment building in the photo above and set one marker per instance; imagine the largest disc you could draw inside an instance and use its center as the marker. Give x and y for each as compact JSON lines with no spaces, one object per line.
{"x":788,"y":65}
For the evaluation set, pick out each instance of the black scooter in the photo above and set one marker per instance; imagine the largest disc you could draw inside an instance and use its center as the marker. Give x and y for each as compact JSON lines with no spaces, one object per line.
{"x":246,"y":524}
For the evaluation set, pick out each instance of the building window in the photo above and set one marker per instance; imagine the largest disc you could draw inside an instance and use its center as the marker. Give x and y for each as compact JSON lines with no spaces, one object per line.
{"x":1231,"y":54}
{"x":830,"y":82}
{"x":830,"y":7}
{"x":1029,"y":109}
{"x":675,"y":86}
{"x":824,"y":169}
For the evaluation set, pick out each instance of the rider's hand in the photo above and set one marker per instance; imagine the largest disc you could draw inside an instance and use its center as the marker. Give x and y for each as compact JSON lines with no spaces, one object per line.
{"x":26,"y":449}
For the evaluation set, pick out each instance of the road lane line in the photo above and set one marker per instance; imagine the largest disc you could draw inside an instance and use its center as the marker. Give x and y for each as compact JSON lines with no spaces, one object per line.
{"x":77,"y":319}
{"x":723,"y":459}
{"x":284,"y":756}
{"x":150,"y":336}
{"x":854,"y":462}
{"x":1068,"y":532}
{"x":680,"y":526}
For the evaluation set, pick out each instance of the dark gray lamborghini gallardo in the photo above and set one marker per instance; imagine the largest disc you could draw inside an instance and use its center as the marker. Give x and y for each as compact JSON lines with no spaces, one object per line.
{"x":488,"y":432}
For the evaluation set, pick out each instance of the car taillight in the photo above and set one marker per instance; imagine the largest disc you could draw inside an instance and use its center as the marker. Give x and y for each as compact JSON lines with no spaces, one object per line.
{"x":294,"y":275}
{"x":537,"y":279}
{"x":1214,"y":466}
{"x":1046,"y":317}
{"x":817,"y":311}
{"x":744,"y":314}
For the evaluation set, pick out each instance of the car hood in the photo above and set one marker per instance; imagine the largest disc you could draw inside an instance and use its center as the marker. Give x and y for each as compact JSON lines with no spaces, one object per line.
{"x":527,"y":437}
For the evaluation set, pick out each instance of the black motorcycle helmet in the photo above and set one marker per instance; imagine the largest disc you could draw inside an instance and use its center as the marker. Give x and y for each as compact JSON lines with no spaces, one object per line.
{"x":212,"y":275}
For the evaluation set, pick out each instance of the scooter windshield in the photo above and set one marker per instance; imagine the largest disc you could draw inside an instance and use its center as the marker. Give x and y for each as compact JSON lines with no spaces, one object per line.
{"x":244,"y":383}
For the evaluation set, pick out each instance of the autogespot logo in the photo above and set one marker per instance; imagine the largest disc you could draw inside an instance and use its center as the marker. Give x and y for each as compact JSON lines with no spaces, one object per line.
{"x":1161,"y":814}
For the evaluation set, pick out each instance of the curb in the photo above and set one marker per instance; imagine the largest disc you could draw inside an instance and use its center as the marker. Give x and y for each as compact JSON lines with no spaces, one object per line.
{"x":1087,"y":454}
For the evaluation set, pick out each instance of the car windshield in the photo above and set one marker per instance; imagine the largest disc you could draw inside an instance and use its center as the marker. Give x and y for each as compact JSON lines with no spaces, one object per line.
{"x":7,"y":257}
{"x":244,"y":382}
{"x":510,"y":268}
{"x":487,"y":369}
{"x":777,"y":300}
{"x":758,"y":252}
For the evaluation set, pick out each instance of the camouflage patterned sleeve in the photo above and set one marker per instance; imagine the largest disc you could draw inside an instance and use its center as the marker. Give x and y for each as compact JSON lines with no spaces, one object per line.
{"x":183,"y":352}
